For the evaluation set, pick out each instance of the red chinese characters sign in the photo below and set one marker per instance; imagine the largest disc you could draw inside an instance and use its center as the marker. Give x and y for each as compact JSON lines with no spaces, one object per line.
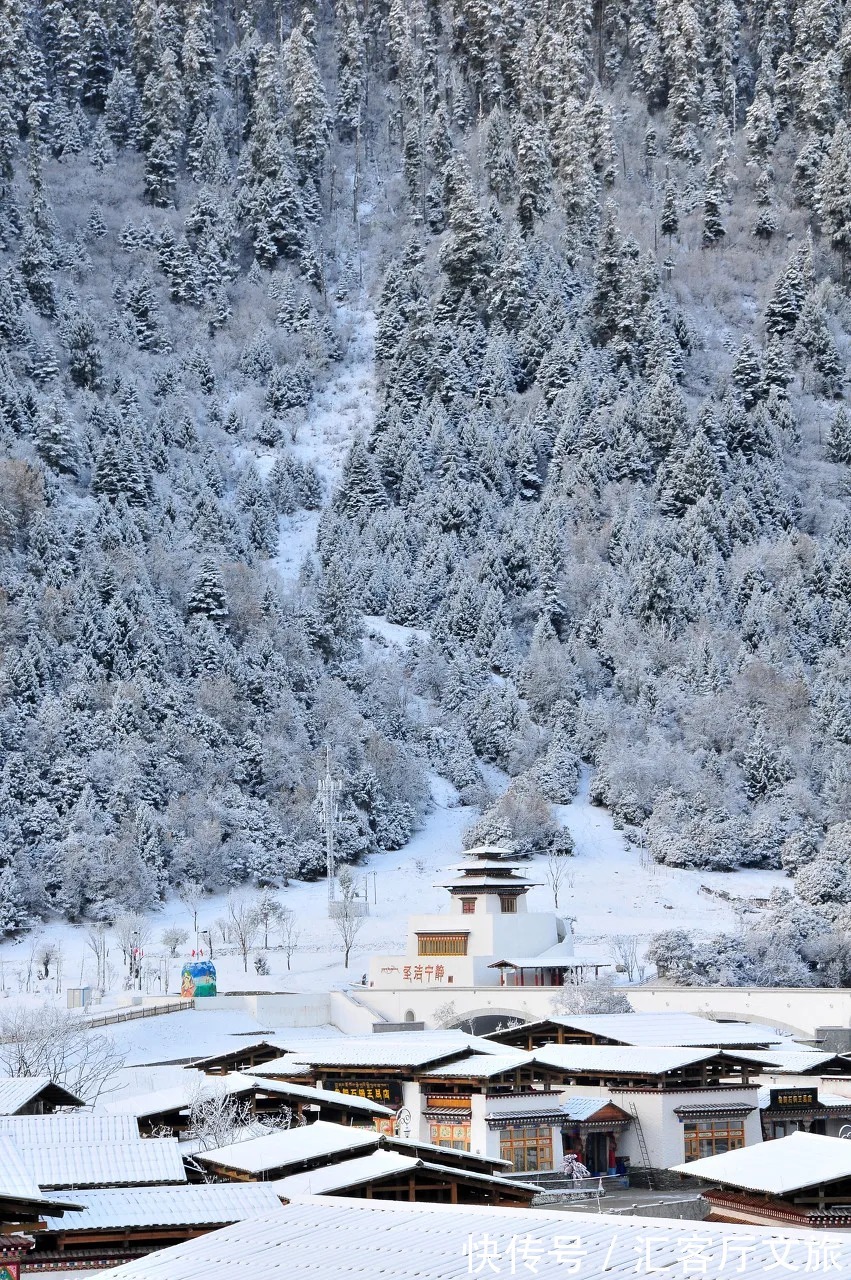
{"x":423,"y":973}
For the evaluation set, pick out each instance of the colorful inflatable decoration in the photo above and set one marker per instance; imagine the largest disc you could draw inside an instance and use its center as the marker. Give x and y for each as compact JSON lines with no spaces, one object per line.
{"x":198,"y":978}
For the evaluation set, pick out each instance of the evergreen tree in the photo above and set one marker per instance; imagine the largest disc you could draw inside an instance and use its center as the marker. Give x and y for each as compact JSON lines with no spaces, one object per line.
{"x":838,"y":444}
{"x":207,"y":598}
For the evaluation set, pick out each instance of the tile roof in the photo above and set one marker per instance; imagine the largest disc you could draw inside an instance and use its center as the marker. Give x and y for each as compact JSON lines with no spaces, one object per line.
{"x":778,"y":1167}
{"x":330,"y":1238}
{"x":287,"y":1147}
{"x":211,"y":1203}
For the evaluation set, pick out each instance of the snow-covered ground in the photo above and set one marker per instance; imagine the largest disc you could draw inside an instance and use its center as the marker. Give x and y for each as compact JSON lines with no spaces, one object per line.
{"x":343,"y":409}
{"x":613,"y":889}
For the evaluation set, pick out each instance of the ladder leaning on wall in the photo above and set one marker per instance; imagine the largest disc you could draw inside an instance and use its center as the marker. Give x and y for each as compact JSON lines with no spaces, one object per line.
{"x":642,"y":1144}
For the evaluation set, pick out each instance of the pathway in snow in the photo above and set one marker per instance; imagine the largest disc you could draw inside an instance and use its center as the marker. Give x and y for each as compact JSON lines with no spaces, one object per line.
{"x":344,"y":408}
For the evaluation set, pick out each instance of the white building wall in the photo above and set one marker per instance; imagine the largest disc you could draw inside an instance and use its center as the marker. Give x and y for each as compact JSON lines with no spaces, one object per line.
{"x":663,"y":1130}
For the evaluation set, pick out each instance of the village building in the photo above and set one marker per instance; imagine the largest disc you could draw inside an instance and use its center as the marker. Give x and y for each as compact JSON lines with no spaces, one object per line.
{"x":34,"y":1096}
{"x":102,"y":1228}
{"x":802,"y":1180}
{"x":677,"y":1100}
{"x":171,"y":1109}
{"x":488,"y":938}
{"x":808,"y":1108}
{"x":22,"y":1201}
{"x":77,"y":1150}
{"x":326,"y":1238}
{"x":685,"y":1030}
{"x":309,"y":1153}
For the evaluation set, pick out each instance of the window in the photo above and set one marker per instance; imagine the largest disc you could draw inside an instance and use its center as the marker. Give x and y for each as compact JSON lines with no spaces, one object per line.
{"x":529,"y":1150}
{"x":456,"y":1136}
{"x":468,"y":906}
{"x":442,"y":944}
{"x":508,"y":903}
{"x":712,"y":1137}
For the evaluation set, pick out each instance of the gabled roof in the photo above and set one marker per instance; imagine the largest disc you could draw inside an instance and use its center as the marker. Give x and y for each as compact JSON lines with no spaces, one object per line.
{"x":779,"y":1167}
{"x":374,"y":1167}
{"x":289,"y":1147}
{"x":210,"y":1204}
{"x":19,"y":1091}
{"x":681,"y":1029}
{"x":331,"y":1238}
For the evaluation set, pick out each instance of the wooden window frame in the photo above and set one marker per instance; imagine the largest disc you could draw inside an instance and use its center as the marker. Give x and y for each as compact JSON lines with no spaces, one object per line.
{"x":468,"y":906}
{"x":442,"y":944}
{"x":518,"y":1144}
{"x":508,"y":904}
{"x":709,"y":1137}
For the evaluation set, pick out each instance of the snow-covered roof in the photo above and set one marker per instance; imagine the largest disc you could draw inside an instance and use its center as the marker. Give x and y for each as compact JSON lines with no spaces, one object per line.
{"x":379,"y":1164}
{"x":108,"y":1164}
{"x":779,"y":1167}
{"x":210,"y":1204}
{"x":18,"y":1091}
{"x":389,"y":1049}
{"x":333,"y":1238}
{"x":561,"y":955}
{"x":791,"y":1062}
{"x":74,"y":1128}
{"x":289,"y":1147}
{"x":681,"y":1029}
{"x":16,"y":1180}
{"x":489,"y":852}
{"x":572,"y":1106}
{"x":480,"y":1066}
{"x":349,"y":1173}
{"x":326,"y":1097}
{"x":182,"y":1096}
{"x":615,"y":1058}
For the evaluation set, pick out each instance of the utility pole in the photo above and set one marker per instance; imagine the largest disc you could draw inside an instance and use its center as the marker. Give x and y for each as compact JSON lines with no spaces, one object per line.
{"x":328,"y":794}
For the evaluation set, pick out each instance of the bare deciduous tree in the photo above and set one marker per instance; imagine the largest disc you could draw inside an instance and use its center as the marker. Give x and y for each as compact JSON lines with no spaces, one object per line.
{"x":625,"y":951}
{"x":190,"y":894}
{"x":46,"y":1041}
{"x":174,"y":938}
{"x":559,"y":875}
{"x":96,"y":943}
{"x":244,"y":925}
{"x":268,"y":911}
{"x":290,"y":935}
{"x":347,"y":918}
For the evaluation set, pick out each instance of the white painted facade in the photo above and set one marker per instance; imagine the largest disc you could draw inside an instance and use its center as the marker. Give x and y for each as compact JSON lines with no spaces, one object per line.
{"x":487,"y":921}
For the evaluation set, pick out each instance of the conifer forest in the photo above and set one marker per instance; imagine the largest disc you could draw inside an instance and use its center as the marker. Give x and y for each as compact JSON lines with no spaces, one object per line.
{"x":523,"y":325}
